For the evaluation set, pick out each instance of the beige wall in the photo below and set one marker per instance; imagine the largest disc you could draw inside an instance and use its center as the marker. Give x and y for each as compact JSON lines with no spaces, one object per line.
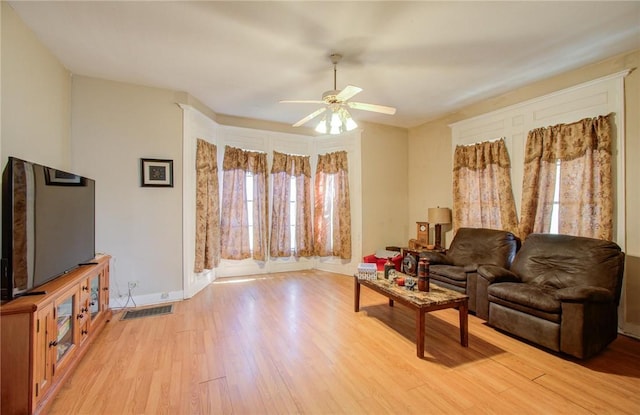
{"x":436,"y":136}
{"x":36,"y":104}
{"x":385,"y":200}
{"x":114,"y":125}
{"x":430,"y":174}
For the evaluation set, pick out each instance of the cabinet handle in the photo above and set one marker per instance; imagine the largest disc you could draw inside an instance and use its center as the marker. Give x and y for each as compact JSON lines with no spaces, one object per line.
{"x":85,"y":288}
{"x":85,"y":309}
{"x":92,"y":303}
{"x":53,"y":343}
{"x":80,"y":316}
{"x":84,"y":332}
{"x":105,"y":289}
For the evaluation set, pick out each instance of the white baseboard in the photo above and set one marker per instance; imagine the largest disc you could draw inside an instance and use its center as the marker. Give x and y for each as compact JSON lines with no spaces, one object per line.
{"x":631,"y":330}
{"x":144,"y":300}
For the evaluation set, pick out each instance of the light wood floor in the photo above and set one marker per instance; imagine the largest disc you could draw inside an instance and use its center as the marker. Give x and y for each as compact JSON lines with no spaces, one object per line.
{"x":291,"y":343}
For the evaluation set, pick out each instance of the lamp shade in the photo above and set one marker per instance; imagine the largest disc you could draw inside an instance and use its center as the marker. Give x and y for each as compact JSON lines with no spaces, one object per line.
{"x":336,"y":120}
{"x":439,"y":215}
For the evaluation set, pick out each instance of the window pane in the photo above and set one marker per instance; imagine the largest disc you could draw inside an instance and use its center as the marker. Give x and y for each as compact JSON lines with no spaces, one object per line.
{"x":292,"y":213}
{"x":249,"y":201}
{"x":330,"y":198}
{"x":556,"y":202}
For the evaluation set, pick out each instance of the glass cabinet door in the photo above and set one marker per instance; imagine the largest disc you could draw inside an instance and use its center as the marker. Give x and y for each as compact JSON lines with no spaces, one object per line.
{"x":43,"y":368}
{"x":95,"y":298}
{"x":104,"y":288}
{"x":66,"y":326}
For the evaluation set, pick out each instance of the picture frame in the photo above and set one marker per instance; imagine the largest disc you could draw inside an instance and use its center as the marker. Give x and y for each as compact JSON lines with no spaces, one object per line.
{"x":54,"y":177}
{"x":156,"y":173}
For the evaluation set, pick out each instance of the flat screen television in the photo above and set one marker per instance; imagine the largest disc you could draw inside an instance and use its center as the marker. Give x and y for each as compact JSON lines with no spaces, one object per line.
{"x":48,"y":225}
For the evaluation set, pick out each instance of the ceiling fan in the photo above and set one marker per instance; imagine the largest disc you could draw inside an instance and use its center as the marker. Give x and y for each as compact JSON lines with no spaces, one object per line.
{"x":337,"y":118}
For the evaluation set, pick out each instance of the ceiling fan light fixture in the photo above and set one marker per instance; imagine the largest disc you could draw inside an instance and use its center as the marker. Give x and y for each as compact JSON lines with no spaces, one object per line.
{"x":335,"y":129}
{"x":336,"y":102}
{"x":351,"y":124}
{"x":321,"y":128}
{"x":338,"y":122}
{"x":348,"y":124}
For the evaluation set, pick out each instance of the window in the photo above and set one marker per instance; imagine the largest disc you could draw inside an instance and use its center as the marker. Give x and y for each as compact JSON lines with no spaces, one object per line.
{"x":555,"y":210}
{"x":243,"y":219}
{"x":332,"y":213}
{"x":249,"y":203}
{"x":292,"y":213}
{"x":482,"y":191}
{"x":291,"y":208}
{"x":330,"y":199}
{"x":576,"y":157}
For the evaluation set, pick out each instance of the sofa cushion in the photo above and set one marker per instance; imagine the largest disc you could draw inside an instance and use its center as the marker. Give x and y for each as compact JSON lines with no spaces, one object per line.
{"x":483,"y":246}
{"x":561,"y":261}
{"x":531,"y":296}
{"x":449,"y":271}
{"x":541,"y":315}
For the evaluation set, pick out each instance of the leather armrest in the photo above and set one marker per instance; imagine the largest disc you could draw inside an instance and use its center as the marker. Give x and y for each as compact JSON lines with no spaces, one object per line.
{"x":435,"y":258}
{"x":471,"y":268}
{"x":584,"y":294}
{"x":494,"y":274}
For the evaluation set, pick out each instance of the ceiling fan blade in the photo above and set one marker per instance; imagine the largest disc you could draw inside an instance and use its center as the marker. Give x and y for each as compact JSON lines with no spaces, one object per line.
{"x":348,"y":92}
{"x":302,"y":102}
{"x":310,"y":116}
{"x":372,"y":107}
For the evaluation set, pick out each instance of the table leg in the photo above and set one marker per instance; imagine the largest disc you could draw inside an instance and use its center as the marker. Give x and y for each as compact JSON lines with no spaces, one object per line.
{"x":420,"y":333}
{"x":464,"y":325}
{"x":390,"y":302}
{"x":356,"y":294}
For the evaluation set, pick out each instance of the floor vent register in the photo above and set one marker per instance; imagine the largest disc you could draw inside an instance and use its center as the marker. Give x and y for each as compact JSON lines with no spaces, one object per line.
{"x":146,"y":312}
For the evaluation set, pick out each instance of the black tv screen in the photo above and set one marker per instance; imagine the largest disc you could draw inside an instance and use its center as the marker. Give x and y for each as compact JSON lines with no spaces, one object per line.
{"x":48,"y":225}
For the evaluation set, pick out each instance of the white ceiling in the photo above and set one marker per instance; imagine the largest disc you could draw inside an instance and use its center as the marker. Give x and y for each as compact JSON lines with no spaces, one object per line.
{"x":241,"y":58}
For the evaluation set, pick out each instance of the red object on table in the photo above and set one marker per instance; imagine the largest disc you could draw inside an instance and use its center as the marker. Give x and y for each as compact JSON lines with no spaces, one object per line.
{"x":372,"y":259}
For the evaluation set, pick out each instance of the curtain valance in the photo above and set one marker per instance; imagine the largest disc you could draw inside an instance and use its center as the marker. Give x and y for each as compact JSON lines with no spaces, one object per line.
{"x":479,"y":156}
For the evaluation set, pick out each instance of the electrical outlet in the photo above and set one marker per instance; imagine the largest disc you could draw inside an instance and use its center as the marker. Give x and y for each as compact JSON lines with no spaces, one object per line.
{"x":164,"y":295}
{"x":133,"y":284}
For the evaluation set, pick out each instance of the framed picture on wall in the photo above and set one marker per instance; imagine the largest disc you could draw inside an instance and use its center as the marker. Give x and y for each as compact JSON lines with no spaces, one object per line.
{"x":156,"y":173}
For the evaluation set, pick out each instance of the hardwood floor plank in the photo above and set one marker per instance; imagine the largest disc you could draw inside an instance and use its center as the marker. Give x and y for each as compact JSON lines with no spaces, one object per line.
{"x":215,"y":398}
{"x":290,"y":343}
{"x":593,"y":394}
{"x":534,"y":399}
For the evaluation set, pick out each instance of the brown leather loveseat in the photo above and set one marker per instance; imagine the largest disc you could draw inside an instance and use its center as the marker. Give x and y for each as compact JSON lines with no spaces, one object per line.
{"x":471,"y":247}
{"x":561,"y":292}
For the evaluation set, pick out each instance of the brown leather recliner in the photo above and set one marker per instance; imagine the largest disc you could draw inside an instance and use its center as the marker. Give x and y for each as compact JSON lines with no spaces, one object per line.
{"x":562,"y":292}
{"x":471,"y":247}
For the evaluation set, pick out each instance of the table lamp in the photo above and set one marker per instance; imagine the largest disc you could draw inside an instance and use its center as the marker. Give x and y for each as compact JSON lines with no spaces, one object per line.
{"x":439,"y":216}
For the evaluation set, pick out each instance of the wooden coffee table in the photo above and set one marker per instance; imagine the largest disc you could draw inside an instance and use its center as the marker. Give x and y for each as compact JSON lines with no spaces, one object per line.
{"x":436,"y":298}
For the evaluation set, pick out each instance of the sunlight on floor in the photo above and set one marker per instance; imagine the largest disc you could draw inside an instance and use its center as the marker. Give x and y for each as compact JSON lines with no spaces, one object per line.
{"x":225,"y":280}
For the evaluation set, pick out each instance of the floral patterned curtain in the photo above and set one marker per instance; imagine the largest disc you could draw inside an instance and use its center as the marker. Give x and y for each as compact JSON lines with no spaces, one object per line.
{"x":207,"y":207}
{"x":332,"y":210}
{"x":482,"y":192}
{"x":284,"y":167}
{"x":583,"y":150}
{"x":234,"y":224}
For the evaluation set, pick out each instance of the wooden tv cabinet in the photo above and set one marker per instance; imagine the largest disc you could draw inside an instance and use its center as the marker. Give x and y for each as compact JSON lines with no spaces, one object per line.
{"x":43,"y":337}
